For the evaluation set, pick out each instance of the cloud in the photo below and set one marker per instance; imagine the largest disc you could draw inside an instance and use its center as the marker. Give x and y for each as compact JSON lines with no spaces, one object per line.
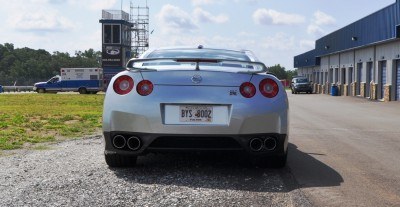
{"x":40,"y":21}
{"x":203,"y":16}
{"x":272,"y":17}
{"x":318,"y":23}
{"x":95,"y":5}
{"x":174,"y":19}
{"x":307,"y":44}
{"x":204,"y":2}
{"x":280,"y":41}
{"x":314,"y":29}
{"x":323,"y":19}
{"x":248,"y":1}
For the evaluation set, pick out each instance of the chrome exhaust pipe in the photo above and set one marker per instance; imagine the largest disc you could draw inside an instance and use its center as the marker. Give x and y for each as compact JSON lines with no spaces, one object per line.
{"x":134,"y":143}
{"x":256,"y":144}
{"x":270,"y":143}
{"x":119,"y":141}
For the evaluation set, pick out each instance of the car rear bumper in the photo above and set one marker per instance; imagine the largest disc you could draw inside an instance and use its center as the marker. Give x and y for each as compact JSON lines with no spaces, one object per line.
{"x":196,"y":142}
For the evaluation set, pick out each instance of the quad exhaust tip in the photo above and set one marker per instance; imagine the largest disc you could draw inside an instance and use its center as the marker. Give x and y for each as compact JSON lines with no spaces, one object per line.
{"x":119,"y":141}
{"x":258,"y":144}
{"x":134,"y":143}
{"x":270,"y":143}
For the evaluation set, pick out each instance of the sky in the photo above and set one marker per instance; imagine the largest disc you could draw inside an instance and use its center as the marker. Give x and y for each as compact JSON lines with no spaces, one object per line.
{"x":275,"y":30}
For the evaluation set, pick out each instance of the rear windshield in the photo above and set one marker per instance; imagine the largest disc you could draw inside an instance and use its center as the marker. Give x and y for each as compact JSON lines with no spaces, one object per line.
{"x":303,"y":80}
{"x":199,"y":53}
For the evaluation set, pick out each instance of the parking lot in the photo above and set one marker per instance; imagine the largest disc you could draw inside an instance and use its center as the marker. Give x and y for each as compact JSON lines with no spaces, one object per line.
{"x":343,"y":152}
{"x":350,"y":149}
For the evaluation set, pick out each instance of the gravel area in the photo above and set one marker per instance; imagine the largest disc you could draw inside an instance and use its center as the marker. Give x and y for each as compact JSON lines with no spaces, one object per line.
{"x":74,"y":173}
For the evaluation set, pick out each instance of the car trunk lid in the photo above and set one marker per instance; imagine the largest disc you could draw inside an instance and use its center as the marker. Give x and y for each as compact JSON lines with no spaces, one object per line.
{"x":195,"y":78}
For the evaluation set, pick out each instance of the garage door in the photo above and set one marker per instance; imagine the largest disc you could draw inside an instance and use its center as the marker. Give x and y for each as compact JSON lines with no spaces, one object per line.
{"x":359,"y":75}
{"x":383,"y":79}
{"x":397,"y":88}
{"x":370,"y":73}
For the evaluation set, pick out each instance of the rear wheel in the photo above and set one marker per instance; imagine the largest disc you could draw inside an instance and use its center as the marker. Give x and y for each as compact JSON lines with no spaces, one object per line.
{"x":116,"y":160}
{"x":82,"y":91}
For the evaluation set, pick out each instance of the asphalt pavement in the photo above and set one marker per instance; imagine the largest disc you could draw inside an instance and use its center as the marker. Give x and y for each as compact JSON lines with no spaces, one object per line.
{"x":345,"y":151}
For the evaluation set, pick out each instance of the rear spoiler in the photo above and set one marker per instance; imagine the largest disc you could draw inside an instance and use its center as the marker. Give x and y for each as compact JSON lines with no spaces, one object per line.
{"x":131,"y":64}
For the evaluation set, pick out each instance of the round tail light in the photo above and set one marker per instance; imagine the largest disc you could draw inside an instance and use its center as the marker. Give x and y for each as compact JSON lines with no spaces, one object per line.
{"x":269,"y":88}
{"x":123,"y":85}
{"x":144,"y":87}
{"x":247,"y":90}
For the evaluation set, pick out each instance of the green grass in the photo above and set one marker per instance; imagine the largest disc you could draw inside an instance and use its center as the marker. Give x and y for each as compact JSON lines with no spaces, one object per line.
{"x":38,"y":118}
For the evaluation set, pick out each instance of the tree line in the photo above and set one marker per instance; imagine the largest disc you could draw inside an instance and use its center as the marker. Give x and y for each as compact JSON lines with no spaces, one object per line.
{"x":26,"y":66}
{"x":281,"y":73}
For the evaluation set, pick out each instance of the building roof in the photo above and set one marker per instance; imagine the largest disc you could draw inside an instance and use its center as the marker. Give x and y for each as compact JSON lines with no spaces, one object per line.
{"x":381,"y":26}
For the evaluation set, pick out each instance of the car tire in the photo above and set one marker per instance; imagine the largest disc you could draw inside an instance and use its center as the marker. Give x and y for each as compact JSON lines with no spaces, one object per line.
{"x":116,"y":160}
{"x":41,"y":90}
{"x":82,"y":91}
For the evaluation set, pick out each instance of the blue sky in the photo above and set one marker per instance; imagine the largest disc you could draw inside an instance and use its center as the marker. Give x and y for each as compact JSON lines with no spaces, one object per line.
{"x":275,"y":30}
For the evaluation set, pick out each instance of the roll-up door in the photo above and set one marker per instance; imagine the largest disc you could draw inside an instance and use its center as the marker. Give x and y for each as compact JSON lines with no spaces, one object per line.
{"x":383,"y":79}
{"x":397,"y":87}
{"x":359,"y":75}
{"x":370,"y":76}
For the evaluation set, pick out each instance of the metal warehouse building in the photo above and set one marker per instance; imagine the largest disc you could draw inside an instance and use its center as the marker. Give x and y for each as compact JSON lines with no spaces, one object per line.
{"x":361,"y":59}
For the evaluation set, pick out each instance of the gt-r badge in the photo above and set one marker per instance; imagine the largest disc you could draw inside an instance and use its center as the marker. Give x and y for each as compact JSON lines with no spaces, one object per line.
{"x":197,"y":79}
{"x":233,"y":92}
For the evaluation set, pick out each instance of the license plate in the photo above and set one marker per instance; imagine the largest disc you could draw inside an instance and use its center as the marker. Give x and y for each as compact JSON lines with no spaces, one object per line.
{"x":194,"y":113}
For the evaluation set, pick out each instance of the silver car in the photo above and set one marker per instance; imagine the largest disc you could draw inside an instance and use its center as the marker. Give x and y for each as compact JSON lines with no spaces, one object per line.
{"x":195,"y":99}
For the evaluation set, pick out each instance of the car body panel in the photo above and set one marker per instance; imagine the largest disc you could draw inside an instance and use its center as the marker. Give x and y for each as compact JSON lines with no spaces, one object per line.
{"x":146,"y":113}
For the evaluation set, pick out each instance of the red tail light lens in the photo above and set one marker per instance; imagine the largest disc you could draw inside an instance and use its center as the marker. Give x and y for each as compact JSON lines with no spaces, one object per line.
{"x":144,"y":87}
{"x":123,"y":85}
{"x":247,"y":90}
{"x":269,"y":88}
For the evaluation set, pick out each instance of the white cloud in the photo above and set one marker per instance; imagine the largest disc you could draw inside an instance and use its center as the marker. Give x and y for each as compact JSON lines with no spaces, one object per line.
{"x":314,"y":29}
{"x":280,"y":41}
{"x":323,"y":19}
{"x":204,"y":2}
{"x":94,"y":4}
{"x":40,"y":21}
{"x":272,"y":17}
{"x":173,"y":19}
{"x":318,"y":22}
{"x":203,"y":16}
{"x":307,"y":44}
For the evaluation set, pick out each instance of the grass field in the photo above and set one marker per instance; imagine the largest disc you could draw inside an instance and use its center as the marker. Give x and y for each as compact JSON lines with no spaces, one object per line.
{"x":36,"y":118}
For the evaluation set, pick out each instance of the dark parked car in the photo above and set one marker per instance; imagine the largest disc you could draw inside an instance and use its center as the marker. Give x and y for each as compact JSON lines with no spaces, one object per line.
{"x":300,"y":84}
